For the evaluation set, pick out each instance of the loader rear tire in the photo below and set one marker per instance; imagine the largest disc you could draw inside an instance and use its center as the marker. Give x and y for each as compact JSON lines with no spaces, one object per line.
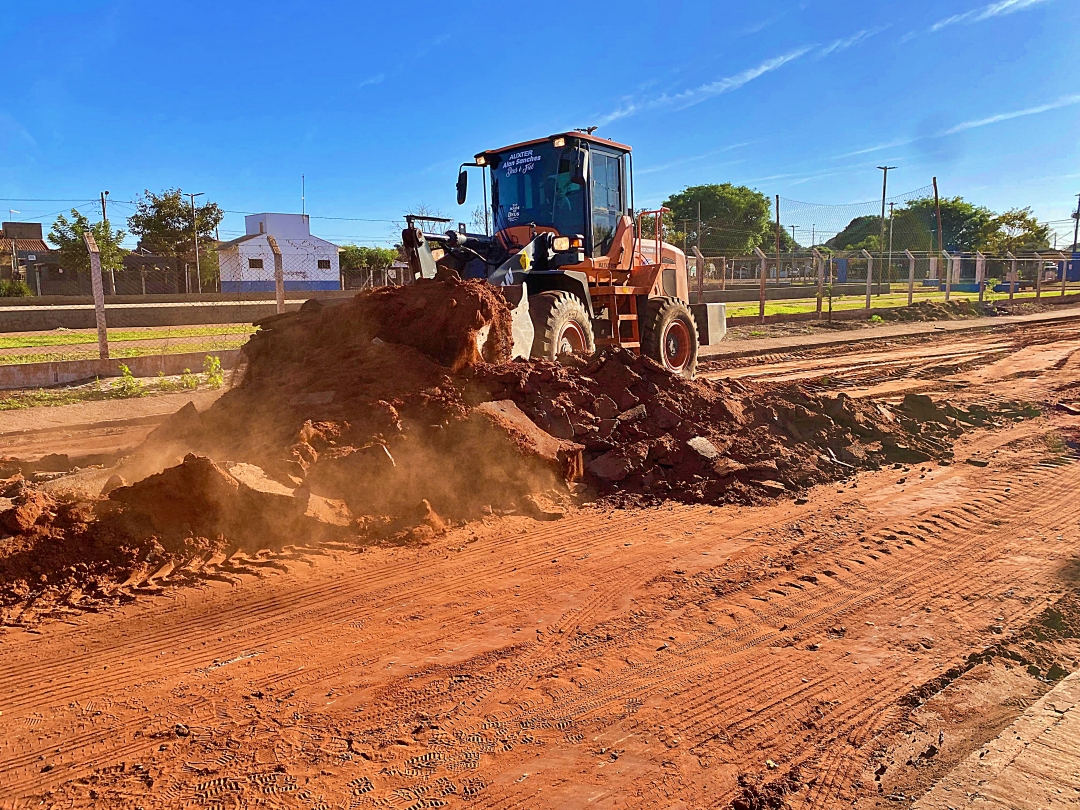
{"x":561,"y":325}
{"x":670,"y":336}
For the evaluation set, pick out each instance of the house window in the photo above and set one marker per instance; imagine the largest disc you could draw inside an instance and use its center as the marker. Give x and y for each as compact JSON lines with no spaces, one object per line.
{"x":255,"y":264}
{"x":324,"y":264}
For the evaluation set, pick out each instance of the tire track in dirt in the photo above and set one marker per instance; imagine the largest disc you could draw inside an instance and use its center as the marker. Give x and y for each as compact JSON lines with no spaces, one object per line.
{"x":600,"y":703}
{"x":854,"y":728}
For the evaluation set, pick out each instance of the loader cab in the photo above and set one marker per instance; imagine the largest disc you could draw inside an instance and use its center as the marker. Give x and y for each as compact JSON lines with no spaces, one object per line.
{"x":572,"y":184}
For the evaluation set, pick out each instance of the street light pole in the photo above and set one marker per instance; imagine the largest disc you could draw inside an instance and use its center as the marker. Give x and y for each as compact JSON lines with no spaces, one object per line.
{"x":1076,"y":224}
{"x":195,"y":237}
{"x":890,"y":237}
{"x":881,"y":242}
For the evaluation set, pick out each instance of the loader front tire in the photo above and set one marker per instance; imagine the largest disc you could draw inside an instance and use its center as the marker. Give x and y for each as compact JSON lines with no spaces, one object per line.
{"x":561,"y":325}
{"x":670,"y":336}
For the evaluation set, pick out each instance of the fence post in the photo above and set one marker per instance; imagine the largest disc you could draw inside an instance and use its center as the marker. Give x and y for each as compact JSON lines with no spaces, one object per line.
{"x":1014,"y":277}
{"x":910,"y":276}
{"x":99,"y":294}
{"x":279,"y":274}
{"x":948,"y":274}
{"x":819,"y":263}
{"x":761,"y":293}
{"x":1038,"y":276}
{"x":1064,"y":272}
{"x":980,"y":273}
{"x":869,"y":276}
{"x":723,"y":272}
{"x":700,"y":261}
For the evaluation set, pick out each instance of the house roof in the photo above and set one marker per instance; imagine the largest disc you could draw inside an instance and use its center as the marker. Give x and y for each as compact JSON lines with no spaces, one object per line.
{"x":237,"y":241}
{"x":25,"y":245}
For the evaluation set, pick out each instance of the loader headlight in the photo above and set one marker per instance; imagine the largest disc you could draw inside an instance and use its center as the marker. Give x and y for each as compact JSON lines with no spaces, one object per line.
{"x":481,"y":160}
{"x":559,"y":142}
{"x":561,"y":244}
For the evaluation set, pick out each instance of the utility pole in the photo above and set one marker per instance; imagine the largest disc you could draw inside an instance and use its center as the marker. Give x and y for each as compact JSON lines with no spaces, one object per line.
{"x":813,"y":235}
{"x":778,"y":232}
{"x":881,"y":243}
{"x":105,"y":221}
{"x":303,"y":195}
{"x":697,"y":233}
{"x":1076,"y":224}
{"x":940,"y":246}
{"x":1076,"y":232}
{"x":195,"y":237}
{"x":891,"y":206}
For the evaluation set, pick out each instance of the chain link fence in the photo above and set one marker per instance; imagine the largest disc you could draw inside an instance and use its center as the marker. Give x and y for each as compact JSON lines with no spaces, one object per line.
{"x":164,"y":314}
{"x":165,"y":318}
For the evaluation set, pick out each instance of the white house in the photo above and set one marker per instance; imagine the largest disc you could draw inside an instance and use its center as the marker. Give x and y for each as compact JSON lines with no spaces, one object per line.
{"x":308,"y":262}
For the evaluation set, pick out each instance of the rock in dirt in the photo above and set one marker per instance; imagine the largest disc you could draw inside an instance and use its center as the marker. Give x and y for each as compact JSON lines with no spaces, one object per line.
{"x":562,"y":456}
{"x":612,"y":466}
{"x":11,"y":487}
{"x":196,"y":496}
{"x":540,"y":508}
{"x":703,"y":447}
{"x":114,"y":481}
{"x":724,"y":466}
{"x":923,"y":408}
{"x":29,"y":506}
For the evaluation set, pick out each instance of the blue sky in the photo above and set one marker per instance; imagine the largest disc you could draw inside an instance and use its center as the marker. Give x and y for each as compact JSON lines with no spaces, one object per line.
{"x":377,"y":104}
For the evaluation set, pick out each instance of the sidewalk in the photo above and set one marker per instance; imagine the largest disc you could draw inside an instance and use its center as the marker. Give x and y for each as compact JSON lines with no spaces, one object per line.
{"x":1034,"y":763}
{"x":746,"y":348}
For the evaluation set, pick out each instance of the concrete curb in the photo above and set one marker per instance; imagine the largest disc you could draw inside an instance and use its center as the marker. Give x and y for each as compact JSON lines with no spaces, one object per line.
{"x":1032,"y":763}
{"x":734,"y":350}
{"x":64,"y":372}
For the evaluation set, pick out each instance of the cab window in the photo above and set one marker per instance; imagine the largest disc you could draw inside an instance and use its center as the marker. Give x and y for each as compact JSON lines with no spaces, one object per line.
{"x":607,"y":198}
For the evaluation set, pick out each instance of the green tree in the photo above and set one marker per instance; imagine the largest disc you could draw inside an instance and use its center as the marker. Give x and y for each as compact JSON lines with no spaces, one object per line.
{"x":163,"y":223}
{"x":359,"y":257}
{"x":67,"y":235}
{"x":768,"y":240}
{"x":670,"y":233}
{"x":856,"y":234}
{"x":1017,"y":230}
{"x":733,"y":218}
{"x":964,"y":226}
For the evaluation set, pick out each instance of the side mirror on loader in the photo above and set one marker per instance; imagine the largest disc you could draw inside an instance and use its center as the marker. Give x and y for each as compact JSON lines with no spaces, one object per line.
{"x":462,"y":186}
{"x":579,"y":172}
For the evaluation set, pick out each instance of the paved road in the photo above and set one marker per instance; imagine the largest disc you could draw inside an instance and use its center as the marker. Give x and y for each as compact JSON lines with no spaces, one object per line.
{"x":1034,"y":764}
{"x":742,"y":348}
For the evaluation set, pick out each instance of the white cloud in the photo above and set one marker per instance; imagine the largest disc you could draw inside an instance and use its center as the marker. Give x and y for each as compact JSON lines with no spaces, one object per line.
{"x":692,"y":159}
{"x":378,"y":78}
{"x":843,"y":44}
{"x":964,"y":126}
{"x":15,"y":134}
{"x":758,"y":27}
{"x":696,"y":95}
{"x":1064,"y":101}
{"x":878,"y":148}
{"x":729,"y":83}
{"x":998,"y":9}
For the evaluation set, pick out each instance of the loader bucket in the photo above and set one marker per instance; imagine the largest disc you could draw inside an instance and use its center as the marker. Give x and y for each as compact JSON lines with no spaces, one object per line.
{"x":517,"y":298}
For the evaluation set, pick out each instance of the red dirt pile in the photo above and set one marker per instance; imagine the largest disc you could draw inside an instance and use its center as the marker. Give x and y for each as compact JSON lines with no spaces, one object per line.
{"x":362,"y":402}
{"x":382,"y":419}
{"x":942,"y":311}
{"x":647,"y":432}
